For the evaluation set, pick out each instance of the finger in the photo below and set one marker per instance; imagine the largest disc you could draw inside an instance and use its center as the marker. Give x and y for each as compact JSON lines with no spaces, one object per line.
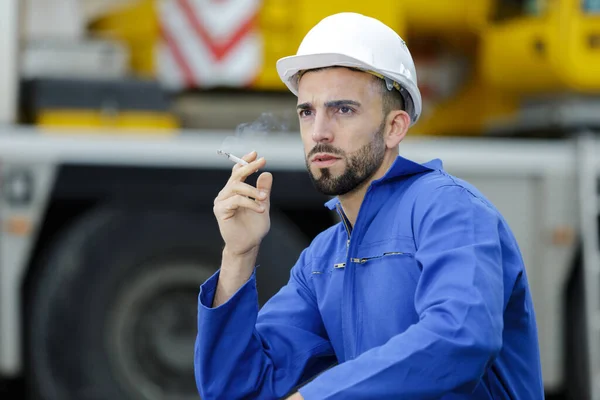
{"x":248,"y":158}
{"x":228,"y":207}
{"x":240,"y":188}
{"x":239,"y":170}
{"x":240,"y":174}
{"x":264,"y":183}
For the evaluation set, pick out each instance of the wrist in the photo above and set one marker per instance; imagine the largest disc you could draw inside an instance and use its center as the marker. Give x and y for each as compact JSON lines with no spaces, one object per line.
{"x":235,"y":271}
{"x":246,"y":256}
{"x":243,"y":263}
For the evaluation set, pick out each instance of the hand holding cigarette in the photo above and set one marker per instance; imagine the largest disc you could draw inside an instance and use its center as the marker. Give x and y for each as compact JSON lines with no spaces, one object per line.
{"x":242,"y":210}
{"x":232,"y":157}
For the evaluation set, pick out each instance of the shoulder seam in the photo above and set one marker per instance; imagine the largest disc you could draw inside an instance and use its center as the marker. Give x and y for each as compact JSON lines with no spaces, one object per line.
{"x":473,"y":195}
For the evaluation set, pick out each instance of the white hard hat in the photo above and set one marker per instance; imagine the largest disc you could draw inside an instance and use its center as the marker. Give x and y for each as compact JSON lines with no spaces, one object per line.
{"x":356,"y":41}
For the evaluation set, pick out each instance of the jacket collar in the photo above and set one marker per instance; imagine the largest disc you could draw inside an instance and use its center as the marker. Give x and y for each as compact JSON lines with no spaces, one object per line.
{"x":400,"y":168}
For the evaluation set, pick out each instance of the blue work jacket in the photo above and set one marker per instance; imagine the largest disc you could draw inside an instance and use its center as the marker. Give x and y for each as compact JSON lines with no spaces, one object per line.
{"x":426,"y":297}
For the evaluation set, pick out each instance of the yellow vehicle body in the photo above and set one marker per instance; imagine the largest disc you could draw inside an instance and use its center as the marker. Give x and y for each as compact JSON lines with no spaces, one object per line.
{"x":132,"y":122}
{"x":554,"y":50}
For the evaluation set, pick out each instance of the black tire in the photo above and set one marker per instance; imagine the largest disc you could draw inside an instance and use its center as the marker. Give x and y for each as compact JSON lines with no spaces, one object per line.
{"x":112,"y":313}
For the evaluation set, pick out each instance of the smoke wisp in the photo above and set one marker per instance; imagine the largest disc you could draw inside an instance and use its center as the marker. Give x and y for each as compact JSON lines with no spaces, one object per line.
{"x":250,"y":134}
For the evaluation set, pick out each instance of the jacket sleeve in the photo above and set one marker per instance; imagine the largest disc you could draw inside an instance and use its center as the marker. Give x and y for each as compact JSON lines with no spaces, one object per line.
{"x":459,"y":299}
{"x":240,"y":353}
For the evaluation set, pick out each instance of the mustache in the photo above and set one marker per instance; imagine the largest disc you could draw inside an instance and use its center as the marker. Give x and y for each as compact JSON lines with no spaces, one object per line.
{"x":325,"y":148}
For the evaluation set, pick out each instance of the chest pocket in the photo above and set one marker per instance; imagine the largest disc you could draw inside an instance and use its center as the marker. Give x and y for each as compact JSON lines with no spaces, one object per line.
{"x":392,"y":259}
{"x":386,"y":278}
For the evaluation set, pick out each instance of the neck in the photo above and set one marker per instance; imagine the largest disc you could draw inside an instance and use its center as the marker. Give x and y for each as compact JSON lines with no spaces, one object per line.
{"x":352,"y":201}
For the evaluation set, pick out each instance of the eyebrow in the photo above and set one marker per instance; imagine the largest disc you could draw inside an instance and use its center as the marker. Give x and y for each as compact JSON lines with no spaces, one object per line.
{"x":330,"y":104}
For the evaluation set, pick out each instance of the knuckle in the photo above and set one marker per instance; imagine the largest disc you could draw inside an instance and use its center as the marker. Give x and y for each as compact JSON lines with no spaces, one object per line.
{"x":225,"y":207}
{"x":222,"y":195}
{"x":227,"y":190}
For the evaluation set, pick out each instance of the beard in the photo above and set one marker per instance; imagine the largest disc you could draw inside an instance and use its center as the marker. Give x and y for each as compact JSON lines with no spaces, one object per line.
{"x":361,"y":165}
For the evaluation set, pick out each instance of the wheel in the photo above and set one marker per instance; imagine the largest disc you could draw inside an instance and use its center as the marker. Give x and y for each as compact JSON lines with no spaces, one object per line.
{"x":112,"y":313}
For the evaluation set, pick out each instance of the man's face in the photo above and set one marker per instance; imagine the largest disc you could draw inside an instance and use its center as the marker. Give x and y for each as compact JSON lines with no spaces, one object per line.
{"x":342,"y":128}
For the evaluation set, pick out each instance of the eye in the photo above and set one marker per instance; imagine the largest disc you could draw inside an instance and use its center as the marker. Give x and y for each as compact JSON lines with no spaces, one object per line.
{"x":345,"y":110}
{"x":305,"y":113}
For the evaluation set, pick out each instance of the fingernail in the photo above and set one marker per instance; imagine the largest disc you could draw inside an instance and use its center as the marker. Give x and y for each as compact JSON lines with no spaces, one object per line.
{"x":263,"y":194}
{"x":262,"y":208}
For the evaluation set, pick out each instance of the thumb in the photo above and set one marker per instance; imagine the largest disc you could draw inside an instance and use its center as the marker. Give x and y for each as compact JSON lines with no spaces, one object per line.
{"x":264,"y":184}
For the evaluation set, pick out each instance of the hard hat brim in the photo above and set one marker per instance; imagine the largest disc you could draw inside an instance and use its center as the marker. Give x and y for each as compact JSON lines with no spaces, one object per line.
{"x":289,"y":67}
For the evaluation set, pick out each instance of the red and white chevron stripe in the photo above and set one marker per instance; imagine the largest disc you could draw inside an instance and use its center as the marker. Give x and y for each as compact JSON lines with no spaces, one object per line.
{"x":208,"y":43}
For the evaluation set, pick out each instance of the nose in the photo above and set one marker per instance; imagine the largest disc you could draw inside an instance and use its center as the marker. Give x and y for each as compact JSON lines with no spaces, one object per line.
{"x":322,"y":132}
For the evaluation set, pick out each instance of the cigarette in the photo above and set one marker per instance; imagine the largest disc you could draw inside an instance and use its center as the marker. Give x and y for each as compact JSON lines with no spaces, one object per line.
{"x":232,"y":157}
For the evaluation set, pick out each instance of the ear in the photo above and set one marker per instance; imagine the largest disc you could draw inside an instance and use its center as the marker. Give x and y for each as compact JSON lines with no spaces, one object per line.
{"x":397,"y":123}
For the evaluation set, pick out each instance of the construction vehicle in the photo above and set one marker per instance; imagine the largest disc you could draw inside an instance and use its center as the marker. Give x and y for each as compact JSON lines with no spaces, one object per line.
{"x":108,"y":171}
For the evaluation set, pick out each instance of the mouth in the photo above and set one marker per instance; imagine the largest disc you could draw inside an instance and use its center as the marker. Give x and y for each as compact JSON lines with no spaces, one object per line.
{"x":323,"y":160}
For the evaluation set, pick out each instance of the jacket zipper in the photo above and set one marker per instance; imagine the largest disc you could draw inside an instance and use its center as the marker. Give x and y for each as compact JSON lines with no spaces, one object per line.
{"x":342,"y":215}
{"x":349,"y":309}
{"x":348,"y":227}
{"x":347,"y":285}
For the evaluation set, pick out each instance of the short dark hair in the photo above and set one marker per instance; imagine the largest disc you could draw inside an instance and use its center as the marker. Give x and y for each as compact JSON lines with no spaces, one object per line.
{"x":390,"y":99}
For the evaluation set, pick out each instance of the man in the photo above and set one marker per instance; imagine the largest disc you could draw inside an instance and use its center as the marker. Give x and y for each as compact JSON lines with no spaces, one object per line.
{"x":418,"y":293}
